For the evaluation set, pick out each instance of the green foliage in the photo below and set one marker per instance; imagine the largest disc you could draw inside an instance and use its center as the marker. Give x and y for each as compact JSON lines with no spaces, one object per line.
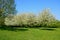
{"x":1,"y":17}
{"x":7,"y":7}
{"x":57,"y":24}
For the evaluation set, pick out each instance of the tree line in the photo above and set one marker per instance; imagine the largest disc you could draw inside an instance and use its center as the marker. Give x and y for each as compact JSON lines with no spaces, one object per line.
{"x":43,"y":19}
{"x":8,"y":17}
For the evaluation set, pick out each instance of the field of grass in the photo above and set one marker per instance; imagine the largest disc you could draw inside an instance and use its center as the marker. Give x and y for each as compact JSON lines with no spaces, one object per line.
{"x":30,"y":34}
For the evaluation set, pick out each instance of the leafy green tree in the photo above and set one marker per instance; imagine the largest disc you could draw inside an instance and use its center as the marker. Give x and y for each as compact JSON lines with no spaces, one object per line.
{"x":8,"y":7}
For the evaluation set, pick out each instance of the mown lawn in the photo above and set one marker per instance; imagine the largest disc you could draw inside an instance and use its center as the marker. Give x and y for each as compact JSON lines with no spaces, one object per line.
{"x":30,"y":34}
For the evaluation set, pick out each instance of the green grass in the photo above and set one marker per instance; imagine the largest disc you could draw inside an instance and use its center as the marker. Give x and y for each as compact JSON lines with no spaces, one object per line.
{"x":30,"y":34}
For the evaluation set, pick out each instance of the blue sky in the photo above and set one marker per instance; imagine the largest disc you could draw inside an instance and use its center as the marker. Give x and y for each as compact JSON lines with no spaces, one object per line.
{"x":36,"y":6}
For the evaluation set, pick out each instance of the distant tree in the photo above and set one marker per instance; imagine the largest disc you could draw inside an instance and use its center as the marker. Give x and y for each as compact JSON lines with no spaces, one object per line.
{"x":25,"y":19}
{"x":8,"y":7}
{"x":46,"y":18}
{"x":22,"y":20}
{"x":31,"y":19}
{"x":17,"y":20}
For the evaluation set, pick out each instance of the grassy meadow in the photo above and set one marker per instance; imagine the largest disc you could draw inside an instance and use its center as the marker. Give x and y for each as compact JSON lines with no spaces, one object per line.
{"x":30,"y":34}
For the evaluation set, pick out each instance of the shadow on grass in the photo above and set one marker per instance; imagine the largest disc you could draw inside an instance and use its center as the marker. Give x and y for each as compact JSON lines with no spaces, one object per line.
{"x":49,"y":29}
{"x":14,"y":29}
